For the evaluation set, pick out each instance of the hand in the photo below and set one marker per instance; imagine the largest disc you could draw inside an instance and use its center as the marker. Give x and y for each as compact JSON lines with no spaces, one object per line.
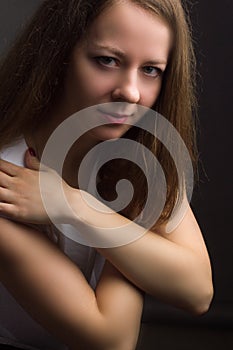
{"x":20,"y":192}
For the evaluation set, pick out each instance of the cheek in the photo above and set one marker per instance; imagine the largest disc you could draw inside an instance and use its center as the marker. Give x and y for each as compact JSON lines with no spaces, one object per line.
{"x":89,"y":80}
{"x":151,"y":93}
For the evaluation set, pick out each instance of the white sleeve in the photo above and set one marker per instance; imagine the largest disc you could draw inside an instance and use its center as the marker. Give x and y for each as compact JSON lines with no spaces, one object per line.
{"x":14,"y":153}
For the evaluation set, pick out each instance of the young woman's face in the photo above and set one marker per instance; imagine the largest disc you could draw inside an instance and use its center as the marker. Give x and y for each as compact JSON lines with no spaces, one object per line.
{"x":121,"y":59}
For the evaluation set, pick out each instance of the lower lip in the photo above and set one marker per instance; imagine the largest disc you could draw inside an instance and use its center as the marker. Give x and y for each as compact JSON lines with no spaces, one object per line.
{"x":114,"y":120}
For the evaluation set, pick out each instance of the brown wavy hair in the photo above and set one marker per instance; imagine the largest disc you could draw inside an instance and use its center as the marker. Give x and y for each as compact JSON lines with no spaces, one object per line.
{"x":32,"y":76}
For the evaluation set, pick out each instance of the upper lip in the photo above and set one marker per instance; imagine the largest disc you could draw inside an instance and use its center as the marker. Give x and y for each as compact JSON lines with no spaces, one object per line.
{"x":114,"y":114}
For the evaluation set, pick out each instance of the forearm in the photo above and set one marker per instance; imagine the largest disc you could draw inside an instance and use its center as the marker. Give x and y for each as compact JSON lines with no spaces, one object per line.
{"x":165,"y":270}
{"x":172,"y":272}
{"x":53,"y":290}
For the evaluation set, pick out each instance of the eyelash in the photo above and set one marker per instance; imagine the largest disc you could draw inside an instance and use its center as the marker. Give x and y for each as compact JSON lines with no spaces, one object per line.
{"x":158,"y":71}
{"x":101,"y":60}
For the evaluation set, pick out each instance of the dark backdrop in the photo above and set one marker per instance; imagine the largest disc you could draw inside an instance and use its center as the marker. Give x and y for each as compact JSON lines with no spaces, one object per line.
{"x":213,"y":30}
{"x":212,"y":201}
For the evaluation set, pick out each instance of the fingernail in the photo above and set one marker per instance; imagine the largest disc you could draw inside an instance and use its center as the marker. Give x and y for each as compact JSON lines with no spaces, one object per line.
{"x":32,"y":152}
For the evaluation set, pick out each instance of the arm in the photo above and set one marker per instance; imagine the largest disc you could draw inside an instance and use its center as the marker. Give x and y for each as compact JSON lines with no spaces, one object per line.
{"x":54,"y":291}
{"x":173,"y":267}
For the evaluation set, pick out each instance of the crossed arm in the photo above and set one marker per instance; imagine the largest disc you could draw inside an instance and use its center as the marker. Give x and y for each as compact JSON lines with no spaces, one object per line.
{"x":174,"y":268}
{"x":54,"y":291}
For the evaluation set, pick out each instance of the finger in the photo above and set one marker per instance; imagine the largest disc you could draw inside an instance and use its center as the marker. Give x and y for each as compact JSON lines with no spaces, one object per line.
{"x":9,"y":168}
{"x":32,"y":162}
{"x":6,"y":195}
{"x":4,"y":179}
{"x":8,"y":210}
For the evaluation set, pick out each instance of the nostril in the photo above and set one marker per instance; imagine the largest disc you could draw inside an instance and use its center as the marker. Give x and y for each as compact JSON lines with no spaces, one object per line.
{"x":127,"y":94}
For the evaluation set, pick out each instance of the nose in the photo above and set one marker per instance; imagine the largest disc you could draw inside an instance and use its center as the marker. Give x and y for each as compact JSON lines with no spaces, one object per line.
{"x":127,"y":89}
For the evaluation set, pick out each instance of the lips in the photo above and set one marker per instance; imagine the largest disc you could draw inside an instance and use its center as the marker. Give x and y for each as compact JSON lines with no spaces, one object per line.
{"x":114,"y":118}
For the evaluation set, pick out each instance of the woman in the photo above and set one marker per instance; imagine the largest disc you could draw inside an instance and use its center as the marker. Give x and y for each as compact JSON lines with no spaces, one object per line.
{"x":74,"y":55}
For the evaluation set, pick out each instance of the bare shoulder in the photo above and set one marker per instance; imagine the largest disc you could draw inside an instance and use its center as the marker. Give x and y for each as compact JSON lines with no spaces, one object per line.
{"x":11,"y":235}
{"x":15,"y":235}
{"x":11,"y":226}
{"x":186,"y":234}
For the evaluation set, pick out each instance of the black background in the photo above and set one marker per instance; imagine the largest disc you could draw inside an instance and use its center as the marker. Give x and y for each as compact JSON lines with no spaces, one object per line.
{"x":213,"y":30}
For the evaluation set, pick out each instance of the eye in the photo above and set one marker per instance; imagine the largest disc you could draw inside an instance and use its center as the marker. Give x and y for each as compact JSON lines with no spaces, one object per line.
{"x":152,"y":71}
{"x":106,"y":61}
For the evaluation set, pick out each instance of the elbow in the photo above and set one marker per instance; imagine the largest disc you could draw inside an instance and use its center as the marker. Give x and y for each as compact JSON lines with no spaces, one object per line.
{"x":123,"y":341}
{"x":202,"y":289}
{"x":204,"y":307}
{"x":110,"y":339}
{"x":203,"y":304}
{"x":119,"y":345}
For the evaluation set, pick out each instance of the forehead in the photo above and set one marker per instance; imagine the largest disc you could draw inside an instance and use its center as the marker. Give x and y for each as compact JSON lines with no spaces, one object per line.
{"x":132,"y":28}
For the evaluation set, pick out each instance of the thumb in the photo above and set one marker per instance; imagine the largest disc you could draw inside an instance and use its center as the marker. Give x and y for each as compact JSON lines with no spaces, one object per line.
{"x":31,"y":161}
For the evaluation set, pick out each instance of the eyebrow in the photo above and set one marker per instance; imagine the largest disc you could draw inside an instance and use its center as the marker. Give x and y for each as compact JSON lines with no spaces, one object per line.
{"x":122,"y":54}
{"x":112,"y":49}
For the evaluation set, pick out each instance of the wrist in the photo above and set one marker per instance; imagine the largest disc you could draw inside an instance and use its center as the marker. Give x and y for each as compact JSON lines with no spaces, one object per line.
{"x":83,"y":207}
{"x":87,"y":209}
{"x":72,"y":208}
{"x":99,"y":225}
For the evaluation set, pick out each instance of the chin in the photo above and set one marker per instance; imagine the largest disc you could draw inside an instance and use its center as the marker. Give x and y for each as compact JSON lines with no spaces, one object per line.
{"x":109,"y":132}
